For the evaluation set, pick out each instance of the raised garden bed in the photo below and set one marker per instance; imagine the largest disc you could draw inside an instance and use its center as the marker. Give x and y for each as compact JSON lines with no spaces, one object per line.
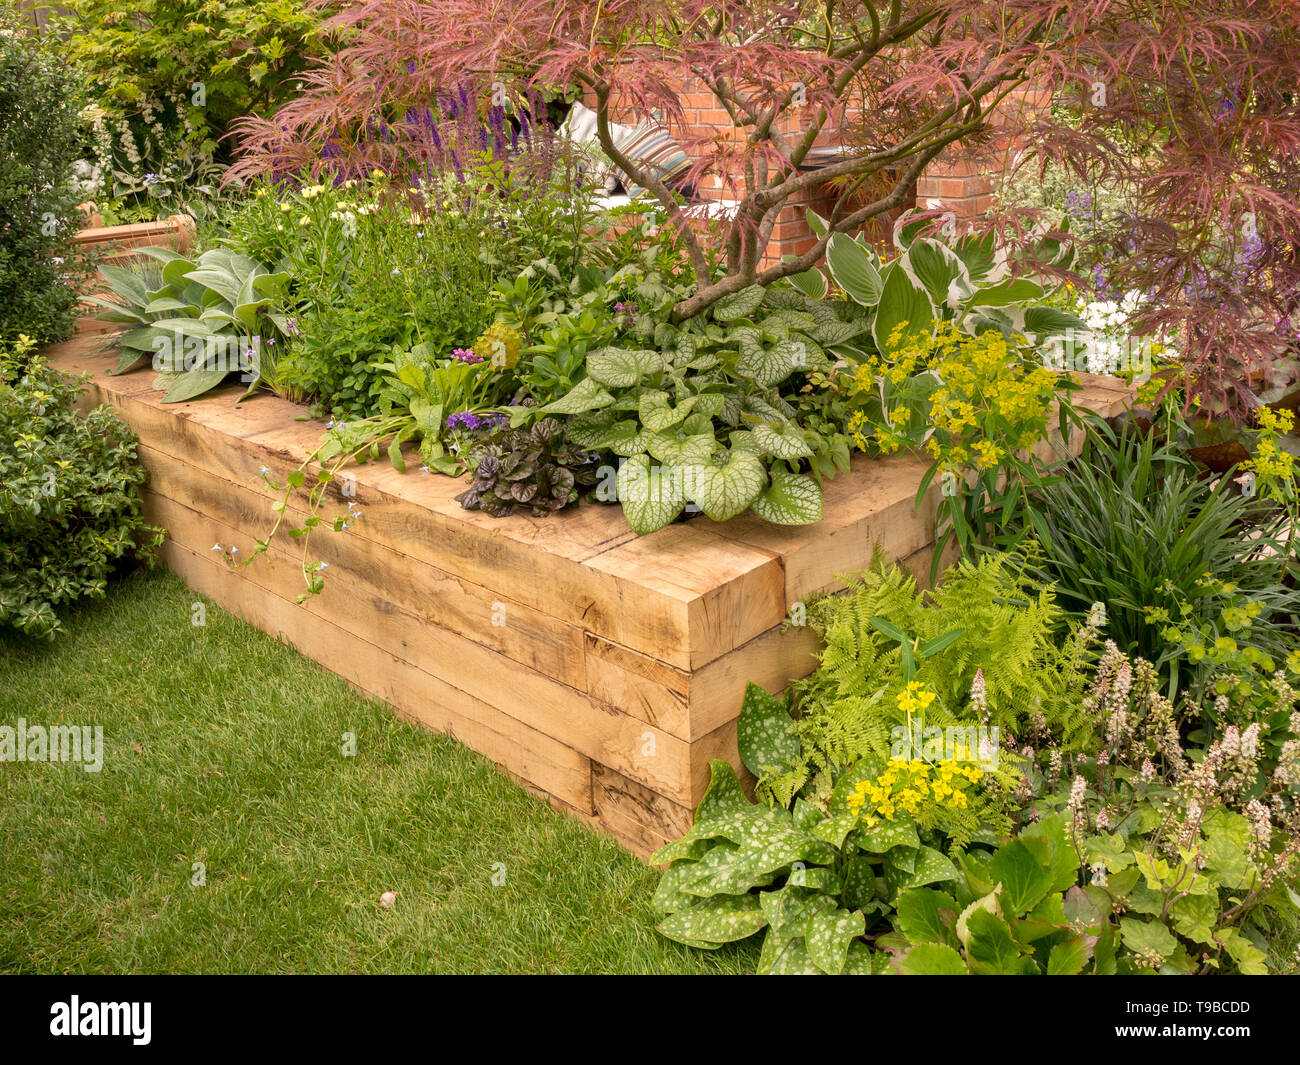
{"x":602,"y":669}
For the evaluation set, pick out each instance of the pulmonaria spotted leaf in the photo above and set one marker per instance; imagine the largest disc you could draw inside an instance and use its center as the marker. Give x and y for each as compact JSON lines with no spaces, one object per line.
{"x":828,"y":936}
{"x":714,"y":921}
{"x":767,"y":746}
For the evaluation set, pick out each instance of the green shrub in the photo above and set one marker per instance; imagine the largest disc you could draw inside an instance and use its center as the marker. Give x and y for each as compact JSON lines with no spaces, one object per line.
{"x":39,"y":140}
{"x":69,"y":508}
{"x":246,"y":54}
{"x":1190,"y":571}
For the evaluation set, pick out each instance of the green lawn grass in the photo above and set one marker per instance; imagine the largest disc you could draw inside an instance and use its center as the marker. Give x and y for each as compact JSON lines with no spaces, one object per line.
{"x":223,"y":746}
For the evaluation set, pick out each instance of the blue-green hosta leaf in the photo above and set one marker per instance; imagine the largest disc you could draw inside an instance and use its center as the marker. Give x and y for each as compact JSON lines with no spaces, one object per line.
{"x":738,"y":304}
{"x":904,"y":312}
{"x":724,"y":491}
{"x":785,"y":441}
{"x":652,"y":496}
{"x":623,"y":367}
{"x":791,"y":499}
{"x":126,"y":283}
{"x":767,"y":745}
{"x":932,"y":959}
{"x":192,"y":383}
{"x":657,"y":412}
{"x":938,"y":270}
{"x":717,"y":920}
{"x":828,"y":935}
{"x":586,"y":395}
{"x":854,"y":270}
{"x":812,"y":283}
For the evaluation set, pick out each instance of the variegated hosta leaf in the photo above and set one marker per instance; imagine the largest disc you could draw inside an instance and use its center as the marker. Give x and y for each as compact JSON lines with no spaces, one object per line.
{"x":652,"y":496}
{"x":586,"y":395}
{"x":785,"y":441}
{"x":854,"y":269}
{"x":724,"y":919}
{"x":724,"y":491}
{"x":738,"y":304}
{"x":828,"y":936}
{"x":623,"y":367}
{"x":792,"y":499}
{"x":811,"y":283}
{"x":763,"y":736}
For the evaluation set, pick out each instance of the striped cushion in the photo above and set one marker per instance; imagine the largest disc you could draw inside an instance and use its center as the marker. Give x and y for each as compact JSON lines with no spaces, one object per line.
{"x":653,"y":147}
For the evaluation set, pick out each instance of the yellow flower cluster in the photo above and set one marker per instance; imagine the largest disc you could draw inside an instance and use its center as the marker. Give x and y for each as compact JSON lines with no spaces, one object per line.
{"x":1273,"y":466}
{"x":905,"y":786}
{"x":915,"y":698}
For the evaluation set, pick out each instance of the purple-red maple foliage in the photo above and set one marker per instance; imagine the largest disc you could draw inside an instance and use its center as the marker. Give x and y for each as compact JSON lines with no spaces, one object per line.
{"x":1207,"y":89}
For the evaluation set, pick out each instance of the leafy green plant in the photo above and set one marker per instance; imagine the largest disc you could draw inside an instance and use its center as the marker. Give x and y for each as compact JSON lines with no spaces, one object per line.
{"x":1191,"y":848}
{"x":69,"y":508}
{"x":983,"y":643}
{"x":1177,"y":559}
{"x":202,"y":319}
{"x":532,"y":468}
{"x":434,"y":404}
{"x":700,"y":417}
{"x":968,"y":282}
{"x":40,"y":269}
{"x":231,"y":59}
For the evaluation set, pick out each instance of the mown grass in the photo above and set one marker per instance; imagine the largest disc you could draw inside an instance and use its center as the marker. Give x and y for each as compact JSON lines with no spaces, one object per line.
{"x":223,"y":746}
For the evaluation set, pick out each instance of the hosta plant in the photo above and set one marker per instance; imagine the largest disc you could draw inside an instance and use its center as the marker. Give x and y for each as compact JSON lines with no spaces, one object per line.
{"x":967,"y":281}
{"x":200,"y":320}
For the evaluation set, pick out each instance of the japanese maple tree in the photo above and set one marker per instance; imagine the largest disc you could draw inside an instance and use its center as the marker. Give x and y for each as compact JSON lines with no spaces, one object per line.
{"x":1207,"y":89}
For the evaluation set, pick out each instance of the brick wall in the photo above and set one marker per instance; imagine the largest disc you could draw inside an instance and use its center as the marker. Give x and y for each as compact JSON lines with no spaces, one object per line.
{"x":962,"y":180}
